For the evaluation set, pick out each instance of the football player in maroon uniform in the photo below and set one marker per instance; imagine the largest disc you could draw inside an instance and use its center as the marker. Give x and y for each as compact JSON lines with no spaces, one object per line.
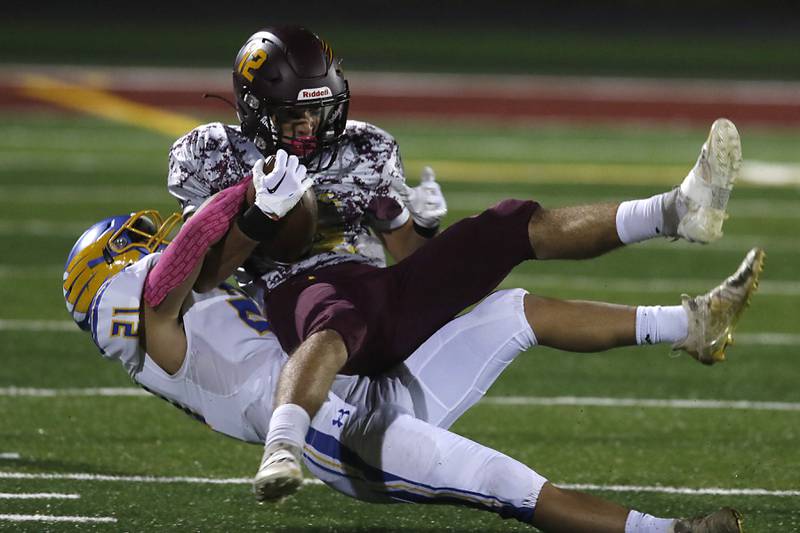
{"x":333,"y":308}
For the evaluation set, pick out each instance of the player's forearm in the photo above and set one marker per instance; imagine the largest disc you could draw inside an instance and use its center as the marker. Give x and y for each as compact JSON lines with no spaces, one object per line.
{"x":224,"y":258}
{"x":189,"y":247}
{"x":403,"y":241}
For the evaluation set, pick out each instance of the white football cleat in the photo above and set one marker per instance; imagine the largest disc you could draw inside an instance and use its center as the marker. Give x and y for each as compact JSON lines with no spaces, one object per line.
{"x":726,"y":520}
{"x":712,"y":316}
{"x":697,"y":209}
{"x":279,"y":474}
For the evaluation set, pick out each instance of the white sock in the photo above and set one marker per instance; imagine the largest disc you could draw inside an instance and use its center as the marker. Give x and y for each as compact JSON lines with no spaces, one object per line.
{"x":661,"y":324}
{"x":289,"y":423}
{"x":644,"y":523}
{"x":639,"y":220}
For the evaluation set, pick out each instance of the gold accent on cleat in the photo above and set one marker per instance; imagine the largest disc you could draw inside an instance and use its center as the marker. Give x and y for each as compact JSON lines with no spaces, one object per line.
{"x":713,"y":316}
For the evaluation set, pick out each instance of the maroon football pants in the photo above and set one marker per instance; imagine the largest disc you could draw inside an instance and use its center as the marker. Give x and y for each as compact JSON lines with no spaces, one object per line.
{"x":384,"y":314}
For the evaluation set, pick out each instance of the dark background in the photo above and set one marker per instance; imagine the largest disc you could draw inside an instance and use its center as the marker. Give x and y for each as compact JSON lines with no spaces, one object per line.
{"x":711,"y":39}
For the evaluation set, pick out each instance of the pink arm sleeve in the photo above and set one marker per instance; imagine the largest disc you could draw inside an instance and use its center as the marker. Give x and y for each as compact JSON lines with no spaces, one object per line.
{"x":189,"y":247}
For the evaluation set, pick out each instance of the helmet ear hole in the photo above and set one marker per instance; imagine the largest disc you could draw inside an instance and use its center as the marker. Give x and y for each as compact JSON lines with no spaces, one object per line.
{"x":251,"y":101}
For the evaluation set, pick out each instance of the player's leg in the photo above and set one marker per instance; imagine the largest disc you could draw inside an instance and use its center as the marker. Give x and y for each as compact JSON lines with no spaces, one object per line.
{"x":301,"y":389}
{"x":702,"y":326}
{"x":471,"y":351}
{"x":386,"y":455}
{"x":569,"y":510}
{"x":471,"y":257}
{"x":402,"y":307}
{"x":695,"y":211}
{"x":475,"y":348}
{"x":428,"y":291}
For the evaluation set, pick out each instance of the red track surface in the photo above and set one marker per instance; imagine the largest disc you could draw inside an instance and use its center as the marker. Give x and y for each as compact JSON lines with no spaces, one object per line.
{"x":463,"y":97}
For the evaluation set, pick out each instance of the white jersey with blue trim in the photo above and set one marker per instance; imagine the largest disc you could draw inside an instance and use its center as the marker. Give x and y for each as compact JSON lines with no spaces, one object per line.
{"x":232,"y":359}
{"x":379,"y":439}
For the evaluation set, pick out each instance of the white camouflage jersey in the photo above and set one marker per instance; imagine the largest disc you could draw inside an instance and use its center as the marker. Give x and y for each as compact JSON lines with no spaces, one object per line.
{"x":354,"y":195}
{"x":232,"y":360}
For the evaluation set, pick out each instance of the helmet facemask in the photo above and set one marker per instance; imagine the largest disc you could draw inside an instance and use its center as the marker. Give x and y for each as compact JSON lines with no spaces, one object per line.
{"x":144,"y":230}
{"x":309,"y":130}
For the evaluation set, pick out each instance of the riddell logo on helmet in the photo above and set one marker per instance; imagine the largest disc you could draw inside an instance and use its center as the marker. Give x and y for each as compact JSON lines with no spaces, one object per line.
{"x":311,"y":94}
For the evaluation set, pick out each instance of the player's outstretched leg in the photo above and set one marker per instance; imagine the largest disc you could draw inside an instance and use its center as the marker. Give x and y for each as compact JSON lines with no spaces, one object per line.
{"x":693,"y":211}
{"x":574,"y":512}
{"x":726,"y":520}
{"x":702,"y":326}
{"x":696,"y":210}
{"x":384,"y":454}
{"x":712,"y":316}
{"x":279,"y":474}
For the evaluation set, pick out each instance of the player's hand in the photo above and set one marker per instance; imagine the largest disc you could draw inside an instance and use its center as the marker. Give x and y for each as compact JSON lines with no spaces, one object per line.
{"x":279,"y":191}
{"x":425,"y":201}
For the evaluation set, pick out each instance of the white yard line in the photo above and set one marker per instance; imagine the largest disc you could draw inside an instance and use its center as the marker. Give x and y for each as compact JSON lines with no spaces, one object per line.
{"x":50,"y":518}
{"x":738,"y":244}
{"x":534,"y":282}
{"x":457,"y":200}
{"x":711,"y":491}
{"x":760,"y":339}
{"x":247,"y":481}
{"x":590,"y":401}
{"x":95,"y":392}
{"x":531,"y":281}
{"x":38,"y":325}
{"x":768,"y":339}
{"x":38,"y":496}
{"x":59,"y":195}
{"x":127,"y":479}
{"x":31,"y":272}
{"x":731,"y":243}
{"x":36,"y":227}
{"x":9,"y":455}
{"x":491,"y":400}
{"x":738,"y":207}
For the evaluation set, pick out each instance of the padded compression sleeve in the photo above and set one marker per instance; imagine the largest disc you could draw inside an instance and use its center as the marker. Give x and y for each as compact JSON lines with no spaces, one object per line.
{"x":203,"y":229}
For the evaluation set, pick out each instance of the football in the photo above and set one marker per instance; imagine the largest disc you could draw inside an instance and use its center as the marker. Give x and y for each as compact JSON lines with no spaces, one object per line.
{"x":295,"y":232}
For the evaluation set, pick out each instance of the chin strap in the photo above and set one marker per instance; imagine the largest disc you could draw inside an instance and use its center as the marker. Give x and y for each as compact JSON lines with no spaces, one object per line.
{"x":204,"y":229}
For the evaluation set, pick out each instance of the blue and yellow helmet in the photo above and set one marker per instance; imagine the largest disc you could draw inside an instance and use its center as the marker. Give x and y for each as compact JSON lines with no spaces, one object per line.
{"x":105,"y":249}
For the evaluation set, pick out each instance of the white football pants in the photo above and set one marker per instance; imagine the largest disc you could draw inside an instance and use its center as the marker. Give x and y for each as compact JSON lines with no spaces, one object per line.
{"x":385,"y":439}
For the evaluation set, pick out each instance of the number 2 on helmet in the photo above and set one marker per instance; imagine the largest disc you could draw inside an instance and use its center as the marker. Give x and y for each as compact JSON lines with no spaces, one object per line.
{"x":256,"y":59}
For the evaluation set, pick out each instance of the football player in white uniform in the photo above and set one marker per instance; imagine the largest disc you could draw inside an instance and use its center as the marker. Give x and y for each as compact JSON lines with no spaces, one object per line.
{"x":379,"y":438}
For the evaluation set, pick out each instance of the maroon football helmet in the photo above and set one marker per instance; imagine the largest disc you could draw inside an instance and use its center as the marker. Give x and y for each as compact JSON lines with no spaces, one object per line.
{"x":291,"y":94}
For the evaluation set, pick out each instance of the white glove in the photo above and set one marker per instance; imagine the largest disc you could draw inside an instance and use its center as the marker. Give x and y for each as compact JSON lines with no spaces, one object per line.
{"x":280,"y":190}
{"x":425,"y":201}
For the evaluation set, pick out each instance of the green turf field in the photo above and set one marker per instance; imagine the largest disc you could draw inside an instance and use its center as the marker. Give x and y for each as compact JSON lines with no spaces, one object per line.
{"x":60,"y":173}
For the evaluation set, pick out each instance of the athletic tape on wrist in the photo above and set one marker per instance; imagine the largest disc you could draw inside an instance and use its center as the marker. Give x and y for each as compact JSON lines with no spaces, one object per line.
{"x":257,"y":225}
{"x":428,"y":233}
